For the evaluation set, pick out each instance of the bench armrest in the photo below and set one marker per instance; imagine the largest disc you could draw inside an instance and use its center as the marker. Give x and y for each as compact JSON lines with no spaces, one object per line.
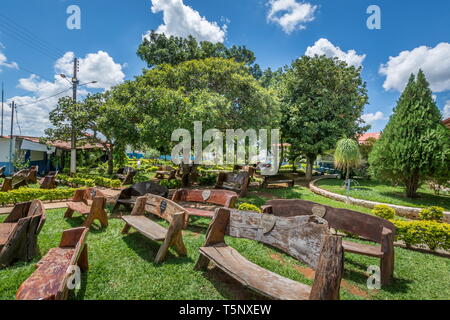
{"x":72,"y":237}
{"x":267,"y":209}
{"x":218,"y":227}
{"x":231,"y":201}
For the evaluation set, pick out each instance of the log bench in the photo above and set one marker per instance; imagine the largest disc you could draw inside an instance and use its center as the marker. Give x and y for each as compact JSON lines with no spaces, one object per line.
{"x":19,"y":232}
{"x":234,"y":181}
{"x":95,"y":211}
{"x":276,"y":180}
{"x":366,"y":226}
{"x":202,"y":203}
{"x":49,"y":181}
{"x":50,"y":280}
{"x":306,"y":238}
{"x":2,"y":171}
{"x":165,"y":209}
{"x":128,"y":196}
{"x":126,"y":175}
{"x":166,"y":172}
{"x":7,"y":185}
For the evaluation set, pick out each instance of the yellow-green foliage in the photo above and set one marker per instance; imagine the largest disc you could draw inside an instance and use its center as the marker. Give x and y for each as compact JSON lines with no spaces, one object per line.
{"x":28,"y":194}
{"x":249,"y":207}
{"x":434,"y":234}
{"x":384,"y":211}
{"x":432,"y":214}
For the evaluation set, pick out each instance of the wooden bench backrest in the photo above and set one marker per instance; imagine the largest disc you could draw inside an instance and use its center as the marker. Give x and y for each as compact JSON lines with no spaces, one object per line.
{"x":361,"y":224}
{"x":306,"y":238}
{"x":83,"y":195}
{"x":7,"y":185}
{"x":219,"y":197}
{"x":239,"y":179}
{"x":161,"y":207}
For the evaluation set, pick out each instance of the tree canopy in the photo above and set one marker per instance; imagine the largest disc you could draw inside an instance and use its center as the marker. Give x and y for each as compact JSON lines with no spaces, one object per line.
{"x":415,"y":145}
{"x":322,"y":99}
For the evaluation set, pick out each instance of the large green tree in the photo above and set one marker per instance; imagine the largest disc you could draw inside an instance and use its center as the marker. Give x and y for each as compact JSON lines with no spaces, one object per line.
{"x":322,"y":99}
{"x":415,"y":145}
{"x":219,"y":92}
{"x":157,"y":49}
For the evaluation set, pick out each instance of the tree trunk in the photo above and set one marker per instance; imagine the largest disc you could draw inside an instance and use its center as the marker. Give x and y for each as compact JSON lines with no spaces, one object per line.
{"x":347,"y":178}
{"x":309,"y":167}
{"x":412,"y":184}
{"x":110,"y":161}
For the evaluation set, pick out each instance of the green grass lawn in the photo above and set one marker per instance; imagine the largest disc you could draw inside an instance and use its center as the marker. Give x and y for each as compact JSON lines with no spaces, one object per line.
{"x":376,"y":191}
{"x":121,"y":267}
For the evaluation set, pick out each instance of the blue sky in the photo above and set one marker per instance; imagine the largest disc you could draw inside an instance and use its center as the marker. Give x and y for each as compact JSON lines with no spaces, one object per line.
{"x":414,"y":34}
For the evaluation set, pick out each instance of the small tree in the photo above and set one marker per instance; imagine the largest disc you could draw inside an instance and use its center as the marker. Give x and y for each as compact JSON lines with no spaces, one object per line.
{"x":347,"y":157}
{"x":415,"y":145}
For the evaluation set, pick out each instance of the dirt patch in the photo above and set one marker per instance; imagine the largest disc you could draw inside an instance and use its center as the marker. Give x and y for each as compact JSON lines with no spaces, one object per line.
{"x":264,"y":195}
{"x":354,"y":289}
{"x":277,"y":258}
{"x":308,"y":273}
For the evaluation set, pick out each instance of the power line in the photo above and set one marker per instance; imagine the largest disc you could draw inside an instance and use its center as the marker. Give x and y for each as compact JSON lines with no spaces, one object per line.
{"x":27,"y":37}
{"x":17,"y":121}
{"x":43,"y":99}
{"x":34,"y":73}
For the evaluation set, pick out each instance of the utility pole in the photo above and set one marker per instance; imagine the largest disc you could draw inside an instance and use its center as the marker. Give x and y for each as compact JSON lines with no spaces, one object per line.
{"x":73,"y":142}
{"x":11,"y":138}
{"x":3,"y":98}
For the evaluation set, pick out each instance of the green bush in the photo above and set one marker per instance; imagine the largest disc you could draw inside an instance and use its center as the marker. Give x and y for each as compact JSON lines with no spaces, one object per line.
{"x":76,"y":181}
{"x":171,"y":184}
{"x":432,"y":214}
{"x":29,"y":194}
{"x":207,"y":179}
{"x":384,"y":211}
{"x":249,"y":207}
{"x":434,"y":234}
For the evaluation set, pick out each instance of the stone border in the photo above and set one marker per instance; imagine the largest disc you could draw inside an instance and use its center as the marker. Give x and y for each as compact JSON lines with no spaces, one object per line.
{"x":406,"y":212}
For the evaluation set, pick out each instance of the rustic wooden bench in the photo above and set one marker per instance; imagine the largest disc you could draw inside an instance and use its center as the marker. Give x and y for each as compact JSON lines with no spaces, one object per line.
{"x":50,"y":280}
{"x":32,"y":175}
{"x":2,"y":171}
{"x":49,"y":181}
{"x":96,"y":211}
{"x":19,"y":232}
{"x":7,"y":185}
{"x":126,"y":175}
{"x":166,"y":172}
{"x":277,"y":180}
{"x":306,"y":239}
{"x":203,"y":203}
{"x":234,"y":181}
{"x":366,"y":226}
{"x":128,"y":196}
{"x":165,"y":209}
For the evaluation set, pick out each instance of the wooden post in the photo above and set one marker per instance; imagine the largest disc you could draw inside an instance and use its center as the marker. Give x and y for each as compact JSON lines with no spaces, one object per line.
{"x":174,"y":238}
{"x":329,"y":270}
{"x":388,"y":260}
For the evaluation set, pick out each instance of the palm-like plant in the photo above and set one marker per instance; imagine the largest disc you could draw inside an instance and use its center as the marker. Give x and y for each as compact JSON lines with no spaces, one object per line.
{"x":347,"y":156}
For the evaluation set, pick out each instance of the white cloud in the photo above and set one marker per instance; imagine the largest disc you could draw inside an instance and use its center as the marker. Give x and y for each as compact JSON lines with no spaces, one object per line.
{"x":4,"y":61}
{"x":33,"y":114}
{"x":435,"y":62}
{"x":325,"y":47}
{"x":290,"y":14}
{"x":447,"y":110}
{"x":181,"y":20}
{"x":371,"y":118}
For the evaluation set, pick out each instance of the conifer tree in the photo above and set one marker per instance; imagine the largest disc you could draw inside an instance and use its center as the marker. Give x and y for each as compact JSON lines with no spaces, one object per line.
{"x":415,"y":145}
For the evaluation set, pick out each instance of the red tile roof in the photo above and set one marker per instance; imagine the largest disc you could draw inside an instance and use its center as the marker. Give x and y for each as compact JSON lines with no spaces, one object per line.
{"x":363,"y":138}
{"x":65,"y":145}
{"x":447,"y":122}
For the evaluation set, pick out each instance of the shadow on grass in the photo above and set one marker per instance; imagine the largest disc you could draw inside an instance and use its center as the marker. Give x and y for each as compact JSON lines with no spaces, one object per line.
{"x":77,"y":222}
{"x":79,"y":294}
{"x":147,"y":249}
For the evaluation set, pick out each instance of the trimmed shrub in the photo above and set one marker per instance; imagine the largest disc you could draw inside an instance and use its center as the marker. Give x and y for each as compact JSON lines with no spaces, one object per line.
{"x":384,"y":211}
{"x":207,"y":179}
{"x":171,"y":184}
{"x":29,"y":194}
{"x":432,"y":214}
{"x":249,"y":207}
{"x":434,"y":234}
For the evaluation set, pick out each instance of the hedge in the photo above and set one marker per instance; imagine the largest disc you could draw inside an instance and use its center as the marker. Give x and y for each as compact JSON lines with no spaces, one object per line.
{"x":90,"y":181}
{"x":29,"y":194}
{"x":434,"y":234}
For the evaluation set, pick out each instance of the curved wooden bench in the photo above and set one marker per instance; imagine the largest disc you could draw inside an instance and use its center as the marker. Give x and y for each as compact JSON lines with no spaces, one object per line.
{"x":49,"y":281}
{"x":166,"y":172}
{"x":203,"y":203}
{"x":80,"y":204}
{"x":19,"y":232}
{"x":128,"y":196}
{"x":165,"y":209}
{"x":366,"y":226}
{"x":307,"y":239}
{"x":234,"y":181}
{"x":49,"y":181}
{"x":277,"y":180}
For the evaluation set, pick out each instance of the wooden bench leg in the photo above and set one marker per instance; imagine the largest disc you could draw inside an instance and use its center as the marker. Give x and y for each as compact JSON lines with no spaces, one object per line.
{"x":83,"y":261}
{"x":174,"y":238}
{"x":69,"y":213}
{"x":126,"y":229}
{"x":388,"y":260}
{"x":202,"y":263}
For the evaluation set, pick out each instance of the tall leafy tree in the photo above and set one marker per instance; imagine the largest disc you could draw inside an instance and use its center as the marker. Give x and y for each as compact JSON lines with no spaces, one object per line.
{"x":157,"y":49}
{"x":415,"y":145}
{"x":322,"y":99}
